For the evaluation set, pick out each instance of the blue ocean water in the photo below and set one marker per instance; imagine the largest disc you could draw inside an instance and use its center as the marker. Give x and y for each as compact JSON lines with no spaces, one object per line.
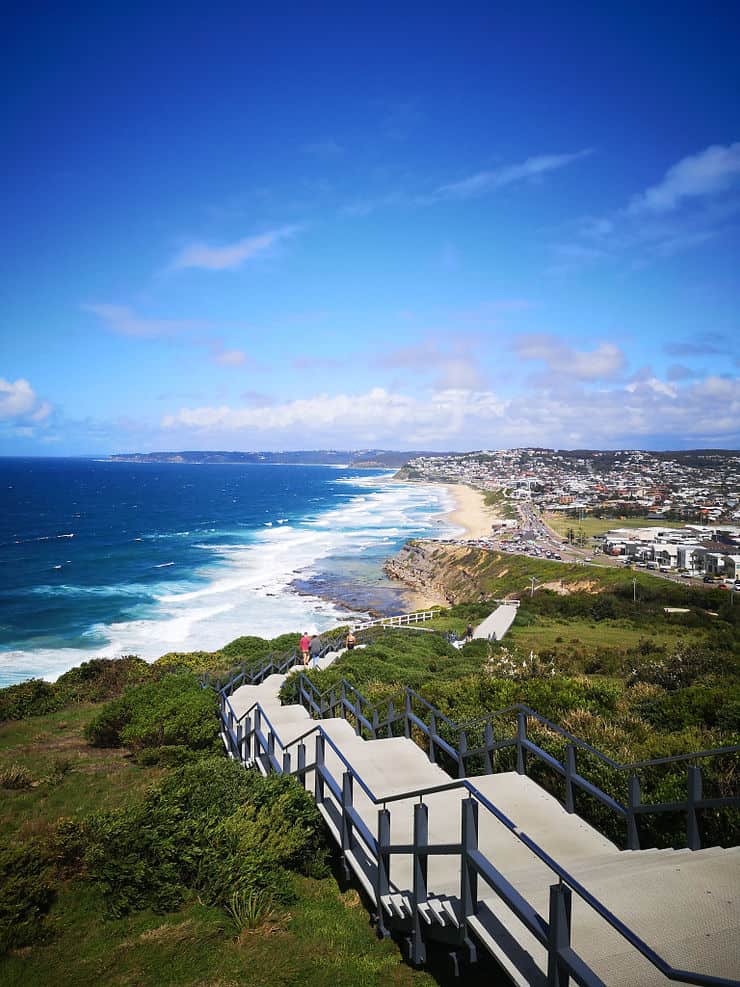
{"x":101,"y":558}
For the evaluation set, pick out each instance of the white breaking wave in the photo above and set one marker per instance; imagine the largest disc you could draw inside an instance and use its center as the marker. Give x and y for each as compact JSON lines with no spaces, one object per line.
{"x":247,"y":588}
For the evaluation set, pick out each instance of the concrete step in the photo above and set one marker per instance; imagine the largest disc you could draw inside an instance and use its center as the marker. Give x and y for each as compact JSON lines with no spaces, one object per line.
{"x":686,"y":910}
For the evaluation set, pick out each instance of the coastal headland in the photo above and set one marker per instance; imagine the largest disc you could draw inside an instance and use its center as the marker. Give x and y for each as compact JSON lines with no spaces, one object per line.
{"x":416,"y":566}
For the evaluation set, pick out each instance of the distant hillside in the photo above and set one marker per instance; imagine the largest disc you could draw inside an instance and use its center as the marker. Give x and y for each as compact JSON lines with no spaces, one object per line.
{"x":366,"y":458}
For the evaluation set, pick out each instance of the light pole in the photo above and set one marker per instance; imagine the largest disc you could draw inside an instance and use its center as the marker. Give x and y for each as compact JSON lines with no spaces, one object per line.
{"x":533,"y":580}
{"x":634,"y":591}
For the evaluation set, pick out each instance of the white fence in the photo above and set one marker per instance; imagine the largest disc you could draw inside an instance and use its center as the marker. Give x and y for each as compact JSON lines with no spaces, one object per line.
{"x":401,"y":620}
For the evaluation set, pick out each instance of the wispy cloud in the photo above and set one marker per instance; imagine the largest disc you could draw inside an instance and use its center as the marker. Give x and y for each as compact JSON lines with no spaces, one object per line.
{"x":123,"y":320}
{"x":328,"y":148}
{"x":696,"y":176}
{"x":694,"y":203}
{"x":488,"y":181}
{"x":606,"y":360}
{"x":702,"y":344}
{"x":452,"y":366}
{"x":230,"y":256}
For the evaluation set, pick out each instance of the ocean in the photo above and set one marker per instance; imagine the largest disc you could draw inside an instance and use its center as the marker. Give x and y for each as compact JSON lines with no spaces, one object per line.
{"x":102,"y":559}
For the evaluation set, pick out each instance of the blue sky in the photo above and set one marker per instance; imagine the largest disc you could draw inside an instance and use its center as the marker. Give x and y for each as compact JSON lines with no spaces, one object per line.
{"x":441,"y":226}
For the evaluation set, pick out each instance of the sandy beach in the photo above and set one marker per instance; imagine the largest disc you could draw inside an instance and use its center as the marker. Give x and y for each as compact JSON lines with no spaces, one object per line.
{"x":471,"y":512}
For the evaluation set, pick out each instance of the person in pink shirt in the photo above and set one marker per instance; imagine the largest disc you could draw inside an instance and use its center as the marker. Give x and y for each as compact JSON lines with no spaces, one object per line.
{"x":304,"y":645}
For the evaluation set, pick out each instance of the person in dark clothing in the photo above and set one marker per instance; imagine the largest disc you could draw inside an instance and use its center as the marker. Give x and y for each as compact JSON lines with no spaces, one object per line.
{"x":469,"y":633}
{"x":314,"y":648}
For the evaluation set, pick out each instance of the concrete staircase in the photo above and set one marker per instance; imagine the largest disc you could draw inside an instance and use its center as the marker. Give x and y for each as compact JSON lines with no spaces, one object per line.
{"x":684,"y":905}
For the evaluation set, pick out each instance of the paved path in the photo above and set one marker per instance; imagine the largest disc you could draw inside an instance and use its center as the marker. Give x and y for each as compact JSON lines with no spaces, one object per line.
{"x":496,"y":624}
{"x":684,"y":904}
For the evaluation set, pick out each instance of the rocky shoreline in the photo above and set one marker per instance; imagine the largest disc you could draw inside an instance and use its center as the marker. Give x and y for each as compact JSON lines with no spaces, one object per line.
{"x":437,"y":572}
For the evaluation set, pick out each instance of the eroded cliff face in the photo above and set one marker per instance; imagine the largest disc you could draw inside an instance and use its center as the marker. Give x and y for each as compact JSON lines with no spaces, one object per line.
{"x":449,"y":573}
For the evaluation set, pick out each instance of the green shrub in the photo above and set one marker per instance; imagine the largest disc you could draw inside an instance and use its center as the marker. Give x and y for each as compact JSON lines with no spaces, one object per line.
{"x":92,"y":681}
{"x":26,"y":894}
{"x":32,"y":698}
{"x":211,"y":827}
{"x":173,"y":712}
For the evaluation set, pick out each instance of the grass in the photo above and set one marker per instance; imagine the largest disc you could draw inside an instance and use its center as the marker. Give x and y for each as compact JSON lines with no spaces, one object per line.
{"x":592,"y":526}
{"x":324,"y":941}
{"x":604,"y":635}
{"x":68,"y":777}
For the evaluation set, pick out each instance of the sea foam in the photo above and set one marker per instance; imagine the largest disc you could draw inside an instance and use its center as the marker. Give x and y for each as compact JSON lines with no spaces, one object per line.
{"x":245,"y":587}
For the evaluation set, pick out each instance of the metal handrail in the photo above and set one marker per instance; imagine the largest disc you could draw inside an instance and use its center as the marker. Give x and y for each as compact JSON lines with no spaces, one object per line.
{"x":563,"y":875}
{"x":522,"y":708}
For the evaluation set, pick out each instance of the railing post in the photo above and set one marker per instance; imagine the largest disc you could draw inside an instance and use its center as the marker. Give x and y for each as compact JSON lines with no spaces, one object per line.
{"x":346,"y":820}
{"x":432,"y":732}
{"x":558,"y":934}
{"x":488,"y":742}
{"x":302,"y":763}
{"x":257,"y":727}
{"x":382,"y":877}
{"x":286,"y":762}
{"x":521,"y":736}
{"x":633,"y":801}
{"x":570,"y":770}
{"x":374,"y":728}
{"x":419,"y":893}
{"x":247,"y":738}
{"x":694,"y":785}
{"x":461,"y":754}
{"x":468,"y":874}
{"x":391,"y":718}
{"x":407,"y":714}
{"x":239,"y":740}
{"x":357,"y":710}
{"x":332,"y":702}
{"x":318,"y":778}
{"x":343,"y":699}
{"x":270,"y":751}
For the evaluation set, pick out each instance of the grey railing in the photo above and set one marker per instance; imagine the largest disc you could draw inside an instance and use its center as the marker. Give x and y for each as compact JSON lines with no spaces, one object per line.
{"x":439,"y":735}
{"x":256,"y":740}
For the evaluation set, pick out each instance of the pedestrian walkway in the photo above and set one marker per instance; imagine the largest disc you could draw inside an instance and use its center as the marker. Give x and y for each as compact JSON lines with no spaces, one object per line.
{"x":496,"y":625}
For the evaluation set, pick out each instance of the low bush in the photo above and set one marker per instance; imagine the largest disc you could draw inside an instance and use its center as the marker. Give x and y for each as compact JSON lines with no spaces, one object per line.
{"x":172,"y":712}
{"x":92,"y":681}
{"x":210,"y":827}
{"x":26,"y":894}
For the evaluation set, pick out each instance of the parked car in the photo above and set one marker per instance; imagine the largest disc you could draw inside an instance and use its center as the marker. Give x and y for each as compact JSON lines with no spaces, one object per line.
{"x":709,"y":579}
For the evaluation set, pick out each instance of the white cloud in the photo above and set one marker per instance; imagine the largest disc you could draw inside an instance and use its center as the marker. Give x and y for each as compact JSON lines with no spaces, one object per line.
{"x":702,"y":412}
{"x":485,"y":181}
{"x":604,"y":361}
{"x":229,"y":256}
{"x":699,"y":175}
{"x":19,"y":403}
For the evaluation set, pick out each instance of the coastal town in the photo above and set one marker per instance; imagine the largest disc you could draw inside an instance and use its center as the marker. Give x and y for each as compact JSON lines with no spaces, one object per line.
{"x":675,"y":513}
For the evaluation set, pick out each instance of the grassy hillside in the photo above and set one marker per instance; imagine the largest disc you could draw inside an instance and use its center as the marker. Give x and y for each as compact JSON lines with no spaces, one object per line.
{"x":105,"y":879}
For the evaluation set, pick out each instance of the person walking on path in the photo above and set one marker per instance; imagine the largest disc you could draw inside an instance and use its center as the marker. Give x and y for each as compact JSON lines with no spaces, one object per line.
{"x":351,"y":641}
{"x":304,"y":646}
{"x":468,"y":633}
{"x":314,"y":649}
